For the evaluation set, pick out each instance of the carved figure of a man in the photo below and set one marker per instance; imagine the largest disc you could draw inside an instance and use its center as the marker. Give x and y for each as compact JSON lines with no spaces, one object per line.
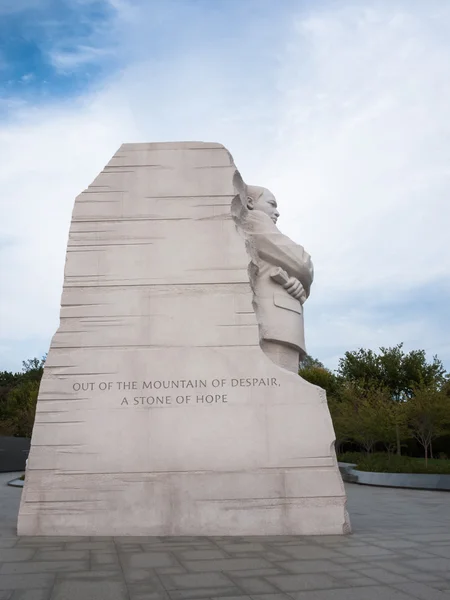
{"x":281,"y":274}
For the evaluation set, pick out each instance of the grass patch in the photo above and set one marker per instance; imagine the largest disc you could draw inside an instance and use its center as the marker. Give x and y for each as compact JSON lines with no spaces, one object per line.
{"x":381,"y":462}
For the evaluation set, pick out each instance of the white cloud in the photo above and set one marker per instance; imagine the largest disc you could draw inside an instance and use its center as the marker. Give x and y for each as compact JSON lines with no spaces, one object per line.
{"x":82,"y":55}
{"x":366,"y":131}
{"x":344,"y":115}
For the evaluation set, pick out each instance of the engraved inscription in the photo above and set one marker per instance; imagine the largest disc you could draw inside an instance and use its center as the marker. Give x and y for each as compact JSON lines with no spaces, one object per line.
{"x":210,"y":391}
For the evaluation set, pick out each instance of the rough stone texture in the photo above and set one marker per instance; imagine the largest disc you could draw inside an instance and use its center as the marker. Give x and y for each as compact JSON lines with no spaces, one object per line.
{"x":157,"y":293}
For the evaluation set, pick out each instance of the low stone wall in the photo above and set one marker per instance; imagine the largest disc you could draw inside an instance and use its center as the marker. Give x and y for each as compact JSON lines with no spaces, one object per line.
{"x":415,"y":481}
{"x":13,"y":453}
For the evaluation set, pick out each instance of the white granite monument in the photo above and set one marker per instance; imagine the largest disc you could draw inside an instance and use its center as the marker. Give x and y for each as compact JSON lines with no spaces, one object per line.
{"x":170,"y":402}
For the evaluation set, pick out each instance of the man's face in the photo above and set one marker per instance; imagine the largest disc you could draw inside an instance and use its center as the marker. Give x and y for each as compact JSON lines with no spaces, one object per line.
{"x":267,"y":204}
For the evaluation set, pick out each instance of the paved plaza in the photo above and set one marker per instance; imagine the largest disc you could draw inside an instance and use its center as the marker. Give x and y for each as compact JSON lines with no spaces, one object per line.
{"x":400,"y":549}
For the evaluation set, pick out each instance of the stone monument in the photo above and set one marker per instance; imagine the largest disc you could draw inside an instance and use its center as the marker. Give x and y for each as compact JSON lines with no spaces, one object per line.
{"x":170,"y":402}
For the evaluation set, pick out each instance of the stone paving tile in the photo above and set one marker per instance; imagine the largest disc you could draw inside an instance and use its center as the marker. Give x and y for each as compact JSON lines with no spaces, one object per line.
{"x":58,"y":566}
{"x":16,"y":554}
{"x":328,"y":540}
{"x":125,"y":548}
{"x":106,"y":575}
{"x":31,"y":595}
{"x":343,"y":560}
{"x":278,"y":596}
{"x":27,"y":581}
{"x":442,"y":551}
{"x":444,"y":543}
{"x":101,"y":559}
{"x":357,"y":582}
{"x":147,"y":560}
{"x":200,"y":554}
{"x":244,"y":547}
{"x":49,"y":547}
{"x":306,"y":581}
{"x":176,"y":547}
{"x":231,"y":597}
{"x":170,"y":570}
{"x":359,"y":552}
{"x":309,"y":552}
{"x":203,"y":593}
{"x":195,"y":580}
{"x":254,"y":585}
{"x":263,"y":539}
{"x":422,"y":576}
{"x":8,"y":542}
{"x":256,"y":573}
{"x":369,"y":593}
{"x":383,"y":576}
{"x":438,"y":584}
{"x":414,"y":553}
{"x":430,"y":564}
{"x":139,"y":592}
{"x":104,"y":546}
{"x":310,"y":566}
{"x":50,"y":540}
{"x":228,"y":564}
{"x":395,"y":544}
{"x":44,"y":554}
{"x":421,"y":591}
{"x":141,"y":576}
{"x":133,"y":539}
{"x":89,"y":590}
{"x":429,"y":537}
{"x":401,"y":568}
{"x":277,"y":556}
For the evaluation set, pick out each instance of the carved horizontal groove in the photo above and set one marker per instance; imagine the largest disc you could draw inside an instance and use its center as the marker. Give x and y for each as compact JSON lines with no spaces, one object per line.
{"x":62,"y":501}
{"x":169,"y":345}
{"x":96,"y":231}
{"x":59,"y":445}
{"x":146,"y":148}
{"x":208,"y":205}
{"x":79,"y":374}
{"x":58,"y":422}
{"x":101,"y":245}
{"x":108,"y":169}
{"x":213,"y":167}
{"x":138,"y":285}
{"x":239,"y":325}
{"x":150,"y":475}
{"x":192,"y":196}
{"x":89,"y":191}
{"x":129,"y":219}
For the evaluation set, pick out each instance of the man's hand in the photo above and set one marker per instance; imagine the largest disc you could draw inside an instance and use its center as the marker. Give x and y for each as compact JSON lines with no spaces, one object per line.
{"x":295,"y":289}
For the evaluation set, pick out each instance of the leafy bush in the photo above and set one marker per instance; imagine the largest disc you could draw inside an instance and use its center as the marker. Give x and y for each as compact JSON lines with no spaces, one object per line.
{"x":381,"y":462}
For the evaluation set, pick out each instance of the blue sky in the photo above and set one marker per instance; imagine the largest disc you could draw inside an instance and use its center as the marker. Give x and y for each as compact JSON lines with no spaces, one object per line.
{"x":341,"y":108}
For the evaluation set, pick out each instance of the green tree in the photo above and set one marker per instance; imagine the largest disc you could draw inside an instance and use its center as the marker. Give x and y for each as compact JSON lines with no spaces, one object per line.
{"x":365,"y":417}
{"x":394,"y":370}
{"x":21,"y":408}
{"x":324,"y":378}
{"x":18,"y":392}
{"x":309,"y":361}
{"x":428,"y":414}
{"x":342,"y":413}
{"x":33,"y":368}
